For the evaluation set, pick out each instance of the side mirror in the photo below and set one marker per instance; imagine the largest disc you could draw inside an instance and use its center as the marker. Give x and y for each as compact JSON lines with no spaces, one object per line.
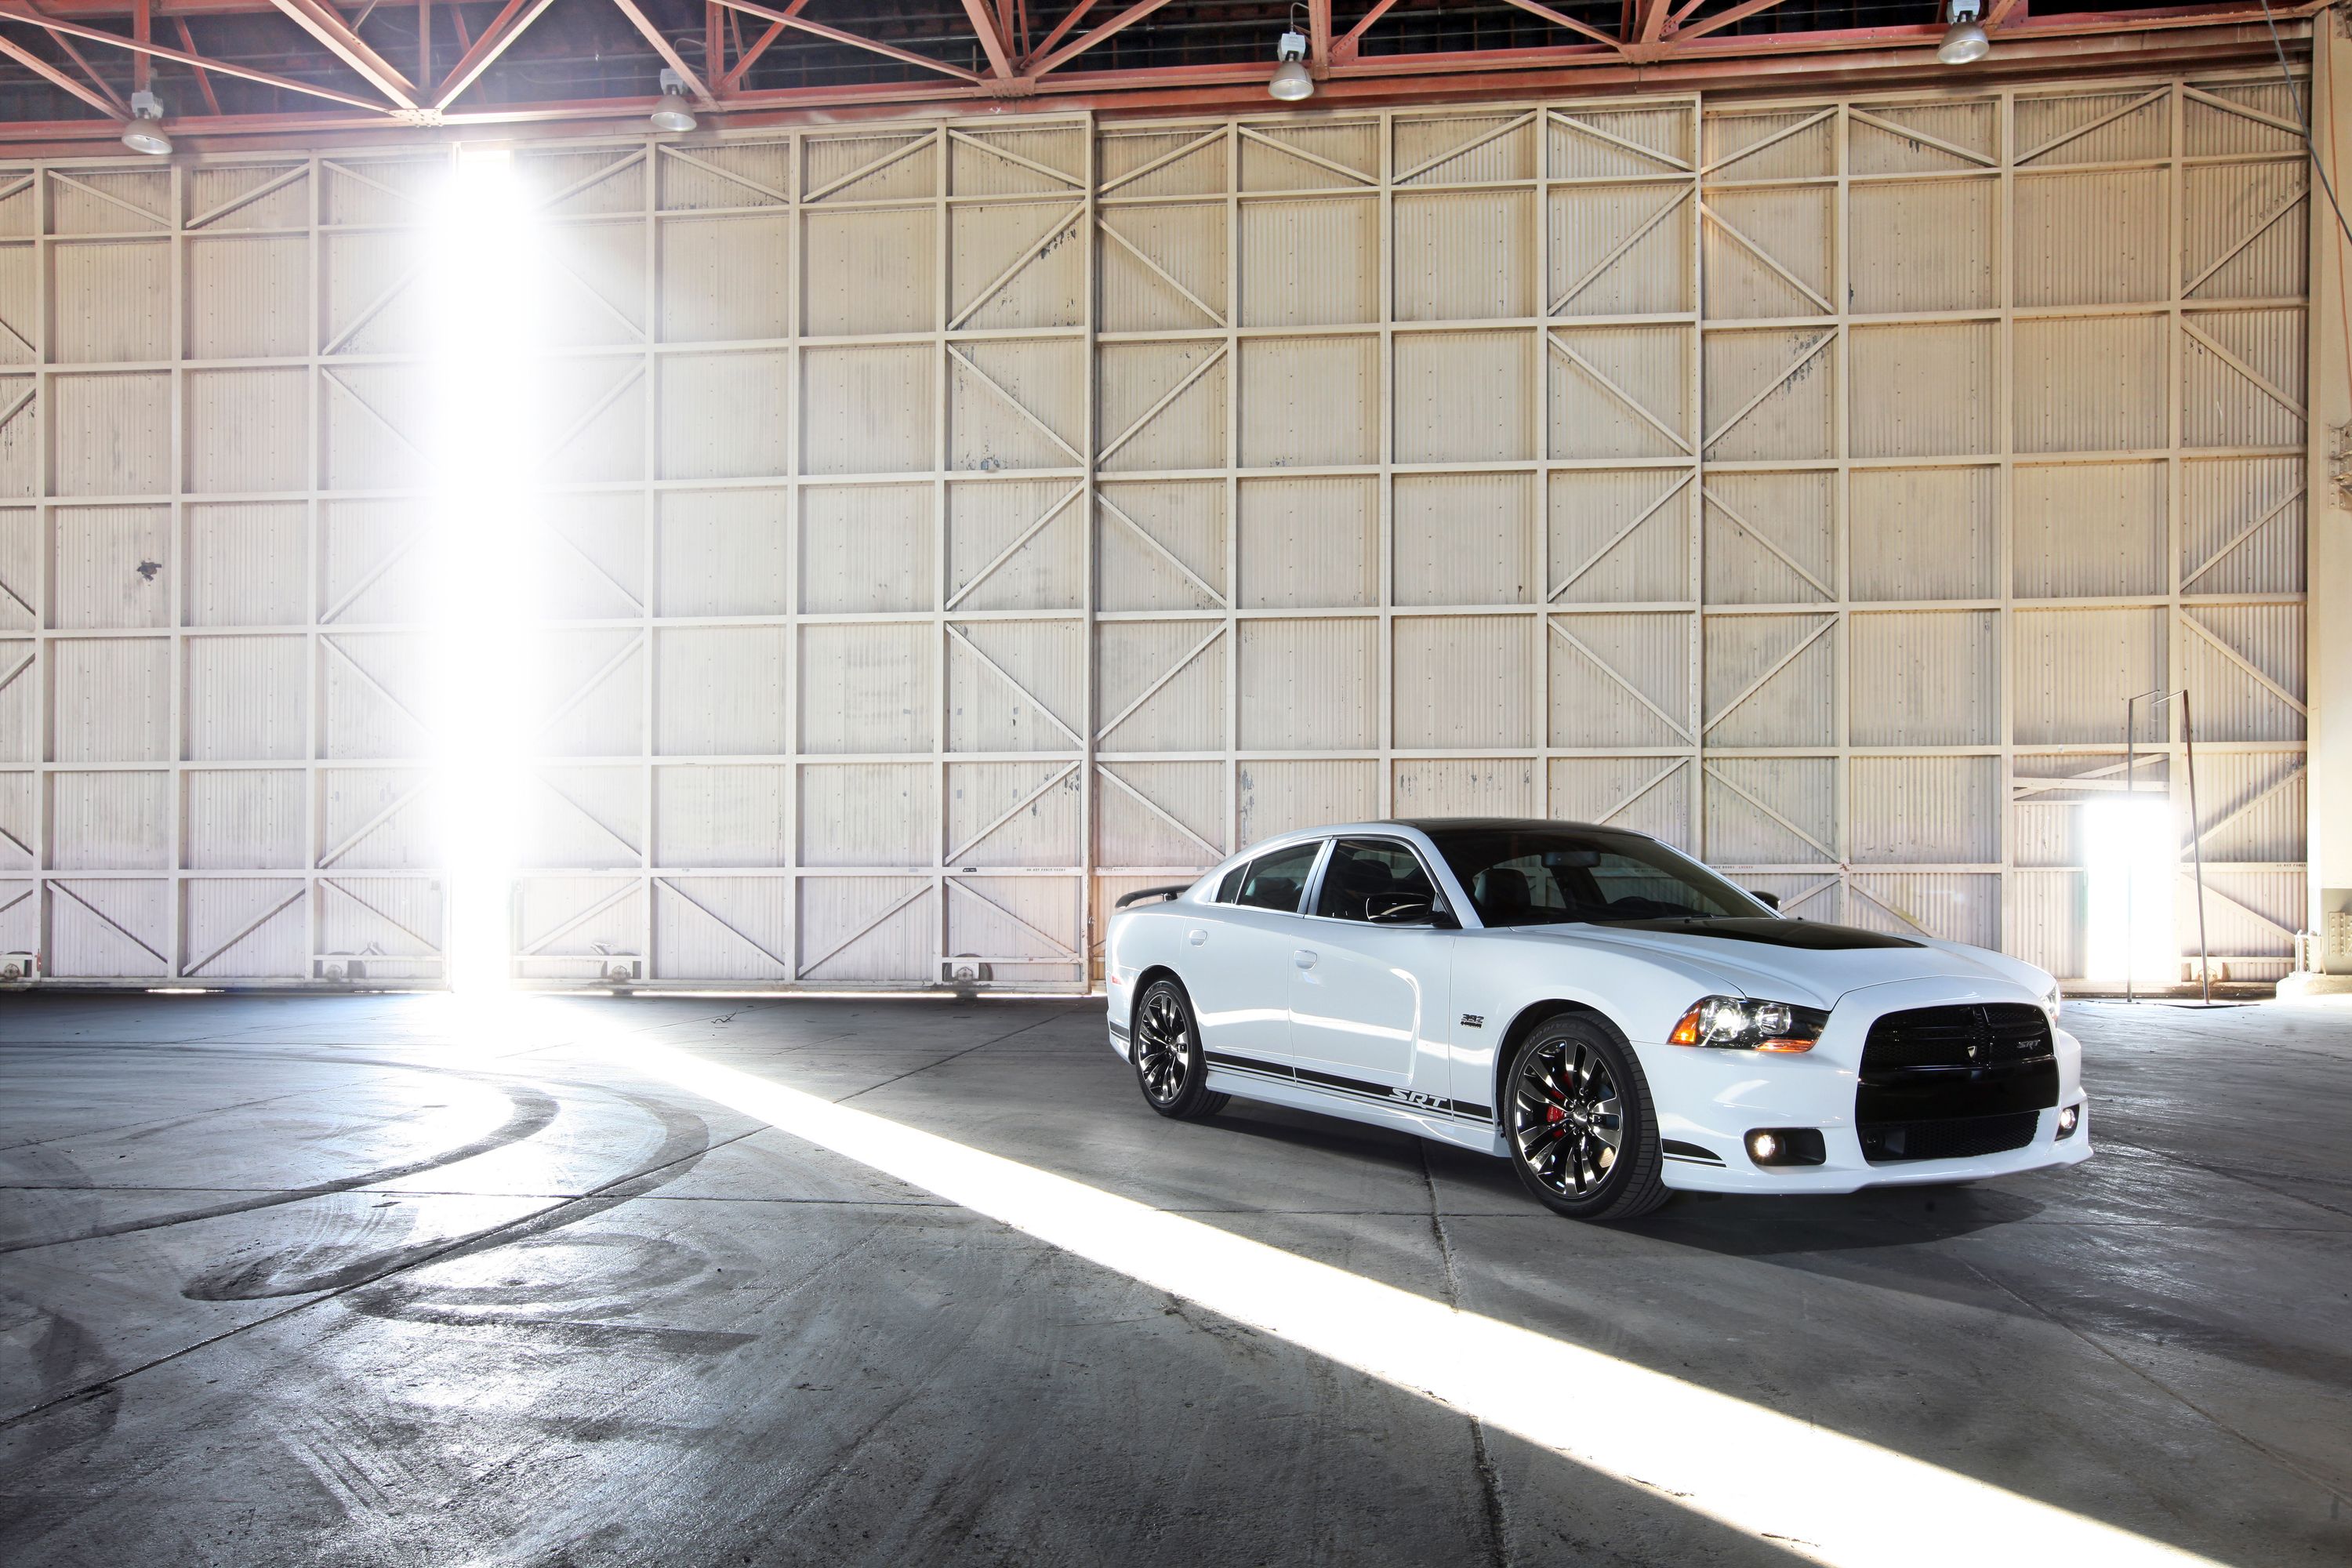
{"x":1410,"y":909}
{"x":1769,"y":900}
{"x":1399,"y":910}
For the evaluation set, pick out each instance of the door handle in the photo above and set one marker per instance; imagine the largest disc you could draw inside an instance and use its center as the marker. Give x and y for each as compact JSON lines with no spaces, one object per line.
{"x":1196,"y":936}
{"x":1303,"y":958}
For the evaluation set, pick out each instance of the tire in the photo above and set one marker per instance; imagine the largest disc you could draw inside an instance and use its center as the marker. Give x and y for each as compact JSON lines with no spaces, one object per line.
{"x":1581,"y":1130}
{"x":1170,"y":1068}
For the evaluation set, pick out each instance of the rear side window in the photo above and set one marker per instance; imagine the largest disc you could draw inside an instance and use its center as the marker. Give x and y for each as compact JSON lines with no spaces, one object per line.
{"x":1230,"y":890}
{"x":1275,"y":881}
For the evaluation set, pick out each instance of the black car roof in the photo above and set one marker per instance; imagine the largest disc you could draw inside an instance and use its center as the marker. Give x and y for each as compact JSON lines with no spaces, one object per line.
{"x":1502,"y":824}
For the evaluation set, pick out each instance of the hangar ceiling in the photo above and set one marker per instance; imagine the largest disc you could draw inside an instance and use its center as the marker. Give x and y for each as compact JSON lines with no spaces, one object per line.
{"x":945,"y":526}
{"x":238,"y":72}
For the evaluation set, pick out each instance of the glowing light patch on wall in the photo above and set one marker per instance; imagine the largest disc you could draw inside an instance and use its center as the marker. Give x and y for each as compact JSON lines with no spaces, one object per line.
{"x":2132,"y":865}
{"x":1777,"y":1477}
{"x":485,"y":389}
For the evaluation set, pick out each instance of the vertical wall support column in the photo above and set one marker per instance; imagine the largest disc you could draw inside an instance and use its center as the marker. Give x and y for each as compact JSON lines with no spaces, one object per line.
{"x":2327,"y":510}
{"x":1092,"y":917}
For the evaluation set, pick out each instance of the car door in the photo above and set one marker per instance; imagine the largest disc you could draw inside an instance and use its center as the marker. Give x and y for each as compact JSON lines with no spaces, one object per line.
{"x":1373,"y":973}
{"x":1240,"y":957}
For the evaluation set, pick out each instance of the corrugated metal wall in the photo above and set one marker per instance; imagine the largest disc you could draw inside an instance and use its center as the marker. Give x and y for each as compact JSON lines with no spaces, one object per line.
{"x":947,"y":528}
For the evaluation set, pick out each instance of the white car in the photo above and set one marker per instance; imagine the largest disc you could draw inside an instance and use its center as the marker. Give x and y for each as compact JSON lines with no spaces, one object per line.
{"x":1605,"y":1012}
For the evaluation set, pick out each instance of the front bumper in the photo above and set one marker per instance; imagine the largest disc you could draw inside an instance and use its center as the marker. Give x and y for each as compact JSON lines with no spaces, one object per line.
{"x":1709,"y":1101}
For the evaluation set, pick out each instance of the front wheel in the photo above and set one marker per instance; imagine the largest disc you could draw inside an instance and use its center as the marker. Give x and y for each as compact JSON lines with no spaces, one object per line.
{"x":1169,"y":1065}
{"x":1582,"y":1133}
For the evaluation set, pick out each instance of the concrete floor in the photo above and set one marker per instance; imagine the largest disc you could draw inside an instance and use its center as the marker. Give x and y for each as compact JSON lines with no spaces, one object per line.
{"x":302,"y":1280}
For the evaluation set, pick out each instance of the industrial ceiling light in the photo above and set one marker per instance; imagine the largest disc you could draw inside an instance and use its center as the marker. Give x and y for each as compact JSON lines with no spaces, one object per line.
{"x":1964,"y":41}
{"x":1291,"y":81}
{"x":673,"y":115}
{"x":144,"y":131}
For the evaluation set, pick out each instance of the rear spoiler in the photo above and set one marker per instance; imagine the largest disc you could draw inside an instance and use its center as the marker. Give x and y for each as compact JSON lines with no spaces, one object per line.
{"x":1140,"y":894}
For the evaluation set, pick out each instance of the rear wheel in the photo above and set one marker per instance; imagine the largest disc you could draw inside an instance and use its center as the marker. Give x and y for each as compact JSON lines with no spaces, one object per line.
{"x":1583,"y":1135}
{"x":1169,"y":1065}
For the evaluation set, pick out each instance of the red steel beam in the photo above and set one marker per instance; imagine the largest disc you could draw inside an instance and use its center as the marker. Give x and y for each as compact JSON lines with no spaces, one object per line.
{"x":1345,"y":49}
{"x":2085,"y":25}
{"x":1318,"y":35}
{"x":1493,"y":73}
{"x":1738,"y":13}
{"x":89,"y":10}
{"x":744,"y":58}
{"x":326,"y":25}
{"x":1649,"y":23}
{"x":203,"y":80}
{"x":991,"y":38}
{"x":1561,"y":19}
{"x":495,"y":40}
{"x":791,"y":19}
{"x":1118,"y":24}
{"x":10,"y":11}
{"x":665,"y":48}
{"x":56,"y":77}
{"x":89,"y":73}
{"x":1070,"y":19}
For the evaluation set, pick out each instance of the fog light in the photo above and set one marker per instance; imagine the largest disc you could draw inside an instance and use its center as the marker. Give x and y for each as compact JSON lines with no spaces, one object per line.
{"x":1786,"y":1146}
{"x":2068,"y":1120}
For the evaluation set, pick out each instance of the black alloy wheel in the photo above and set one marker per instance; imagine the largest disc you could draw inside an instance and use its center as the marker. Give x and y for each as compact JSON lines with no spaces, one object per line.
{"x":1582,"y":1135}
{"x":1166,"y":1046}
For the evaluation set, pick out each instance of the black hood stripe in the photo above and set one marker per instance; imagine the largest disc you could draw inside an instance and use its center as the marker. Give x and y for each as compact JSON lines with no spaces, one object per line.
{"x":1809,"y":936}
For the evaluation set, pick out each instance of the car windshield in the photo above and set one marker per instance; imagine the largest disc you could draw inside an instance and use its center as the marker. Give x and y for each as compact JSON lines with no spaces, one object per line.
{"x":1541,"y":877}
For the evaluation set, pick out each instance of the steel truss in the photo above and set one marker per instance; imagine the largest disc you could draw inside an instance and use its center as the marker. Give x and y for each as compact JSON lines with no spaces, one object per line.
{"x":349,"y":89}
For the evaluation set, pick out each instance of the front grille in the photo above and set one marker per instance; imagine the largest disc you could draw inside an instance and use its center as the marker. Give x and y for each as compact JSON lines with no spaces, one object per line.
{"x":1983,"y":1036}
{"x":1962,"y":1137}
{"x":1986,"y":1066}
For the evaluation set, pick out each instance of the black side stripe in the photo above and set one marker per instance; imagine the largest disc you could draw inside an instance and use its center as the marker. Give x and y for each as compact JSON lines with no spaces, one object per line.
{"x":1690,"y":1154}
{"x":1380,"y":1093}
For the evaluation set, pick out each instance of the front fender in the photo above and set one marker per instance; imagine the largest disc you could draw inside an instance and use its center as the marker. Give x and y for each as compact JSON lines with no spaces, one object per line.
{"x":1499,"y":976}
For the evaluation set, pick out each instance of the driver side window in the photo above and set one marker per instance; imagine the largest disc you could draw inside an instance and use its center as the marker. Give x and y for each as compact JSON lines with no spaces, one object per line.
{"x":1376,"y":880}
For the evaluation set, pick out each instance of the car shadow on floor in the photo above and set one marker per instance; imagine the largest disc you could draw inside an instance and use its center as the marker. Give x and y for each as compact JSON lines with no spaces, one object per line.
{"x":1782,"y":1229}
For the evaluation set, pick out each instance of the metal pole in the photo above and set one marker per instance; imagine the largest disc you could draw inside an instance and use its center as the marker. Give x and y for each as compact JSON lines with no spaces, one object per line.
{"x":2197,"y":845}
{"x":2131,"y":787}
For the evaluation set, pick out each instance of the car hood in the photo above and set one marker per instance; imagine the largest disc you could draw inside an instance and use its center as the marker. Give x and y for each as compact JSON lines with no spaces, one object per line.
{"x":1809,"y":963}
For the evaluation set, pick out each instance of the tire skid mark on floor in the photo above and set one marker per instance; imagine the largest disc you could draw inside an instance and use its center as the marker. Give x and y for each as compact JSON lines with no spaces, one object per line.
{"x":686,"y":1142}
{"x":530,"y":1111}
{"x":685,"y":1139}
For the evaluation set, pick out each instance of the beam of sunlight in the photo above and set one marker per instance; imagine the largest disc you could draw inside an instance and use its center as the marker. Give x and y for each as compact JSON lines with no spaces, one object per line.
{"x":484,"y":284}
{"x":1765,"y":1473}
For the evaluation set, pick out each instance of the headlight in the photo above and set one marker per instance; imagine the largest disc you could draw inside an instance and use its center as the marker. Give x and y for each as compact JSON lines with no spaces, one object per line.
{"x":1745,"y":1023}
{"x":2050,"y":1001}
